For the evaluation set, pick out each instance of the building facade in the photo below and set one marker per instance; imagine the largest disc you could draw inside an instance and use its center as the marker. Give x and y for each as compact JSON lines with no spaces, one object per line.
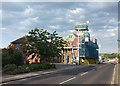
{"x":82,"y":47}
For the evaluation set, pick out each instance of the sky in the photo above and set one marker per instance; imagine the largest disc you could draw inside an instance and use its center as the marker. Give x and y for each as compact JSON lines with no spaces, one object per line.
{"x":18,"y":18}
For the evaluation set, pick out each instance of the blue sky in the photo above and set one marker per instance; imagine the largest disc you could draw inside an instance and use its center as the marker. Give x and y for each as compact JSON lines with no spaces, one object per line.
{"x":18,"y":18}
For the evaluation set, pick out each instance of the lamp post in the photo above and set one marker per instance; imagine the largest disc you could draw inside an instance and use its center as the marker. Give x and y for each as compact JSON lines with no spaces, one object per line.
{"x":78,"y":49}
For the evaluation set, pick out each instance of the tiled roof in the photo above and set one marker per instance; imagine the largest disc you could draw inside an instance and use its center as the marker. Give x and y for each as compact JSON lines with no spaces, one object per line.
{"x":18,"y":41}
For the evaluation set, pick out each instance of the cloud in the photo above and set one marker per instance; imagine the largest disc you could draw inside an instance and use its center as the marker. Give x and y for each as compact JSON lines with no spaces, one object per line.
{"x":71,"y":21}
{"x":27,"y":24}
{"x":112,"y":30}
{"x":28,"y":11}
{"x":3,"y":28}
{"x":29,"y":21}
{"x":70,"y":31}
{"x":77,"y":10}
{"x":55,"y":27}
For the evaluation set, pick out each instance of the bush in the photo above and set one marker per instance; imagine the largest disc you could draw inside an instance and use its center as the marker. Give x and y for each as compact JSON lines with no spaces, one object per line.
{"x":9,"y":68}
{"x":39,"y":66}
{"x":53,"y":66}
{"x":23,"y":69}
{"x":13,"y":69}
{"x":10,"y":56}
{"x":18,"y":58}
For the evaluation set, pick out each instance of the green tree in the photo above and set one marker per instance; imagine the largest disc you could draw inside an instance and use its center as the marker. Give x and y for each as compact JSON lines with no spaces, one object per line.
{"x":46,"y":44}
{"x":113,"y":55}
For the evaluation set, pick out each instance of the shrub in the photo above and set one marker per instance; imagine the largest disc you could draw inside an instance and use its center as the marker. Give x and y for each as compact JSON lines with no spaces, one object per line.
{"x":34,"y":67}
{"x":18,"y":58}
{"x":23,"y":69}
{"x":39,"y":66}
{"x":14,"y":72}
{"x":13,"y":69}
{"x":10,"y":56}
{"x":9,"y":68}
{"x":53,"y":66}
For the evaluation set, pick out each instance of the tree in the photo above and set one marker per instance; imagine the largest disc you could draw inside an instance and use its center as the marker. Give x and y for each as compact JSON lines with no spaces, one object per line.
{"x":113,"y":55}
{"x":46,"y":44}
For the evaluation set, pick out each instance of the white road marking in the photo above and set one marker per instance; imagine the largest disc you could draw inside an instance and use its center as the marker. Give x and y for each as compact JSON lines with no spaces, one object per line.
{"x":84,"y":73}
{"x":67,"y":80}
{"x":113,"y":77}
{"x":48,"y":72}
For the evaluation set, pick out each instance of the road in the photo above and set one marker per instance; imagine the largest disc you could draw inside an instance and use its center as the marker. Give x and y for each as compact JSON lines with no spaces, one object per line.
{"x":93,"y":74}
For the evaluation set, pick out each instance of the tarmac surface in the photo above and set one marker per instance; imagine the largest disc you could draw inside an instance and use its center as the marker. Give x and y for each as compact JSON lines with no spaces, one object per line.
{"x":70,"y":74}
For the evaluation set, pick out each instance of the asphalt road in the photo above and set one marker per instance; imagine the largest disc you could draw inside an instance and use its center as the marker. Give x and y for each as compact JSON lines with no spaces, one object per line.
{"x":93,"y":74}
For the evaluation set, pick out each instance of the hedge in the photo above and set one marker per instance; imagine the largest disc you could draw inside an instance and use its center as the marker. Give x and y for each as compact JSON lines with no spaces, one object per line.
{"x":10,"y":56}
{"x":13,"y":69}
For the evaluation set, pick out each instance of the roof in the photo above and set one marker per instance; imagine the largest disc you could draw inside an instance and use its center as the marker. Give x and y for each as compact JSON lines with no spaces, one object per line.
{"x":19,"y":41}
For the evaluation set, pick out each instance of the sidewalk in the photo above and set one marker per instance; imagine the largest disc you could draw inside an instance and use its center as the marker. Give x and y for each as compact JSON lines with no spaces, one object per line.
{"x":59,"y":67}
{"x":117,"y":74}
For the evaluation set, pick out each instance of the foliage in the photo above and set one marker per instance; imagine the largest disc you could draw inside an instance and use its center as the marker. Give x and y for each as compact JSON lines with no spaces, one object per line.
{"x":23,"y":69}
{"x":37,"y":67}
{"x":13,"y":69}
{"x":45,"y":43}
{"x":113,"y":55}
{"x":9,"y":68}
{"x":10,"y":56}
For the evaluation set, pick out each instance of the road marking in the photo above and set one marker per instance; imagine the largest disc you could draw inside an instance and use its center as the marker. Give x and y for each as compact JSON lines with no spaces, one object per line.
{"x":48,"y":72}
{"x":67,"y":80}
{"x":113,"y":76}
{"x":84,"y":73}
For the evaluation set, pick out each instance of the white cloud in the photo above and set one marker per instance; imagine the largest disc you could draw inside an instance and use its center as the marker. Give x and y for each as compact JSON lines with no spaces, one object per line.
{"x":70,"y":31}
{"x":113,"y":34}
{"x":54,"y":27}
{"x":106,"y":34}
{"x":71,"y":21}
{"x":68,"y":15}
{"x":27,"y":23}
{"x":28,"y":11}
{"x":59,"y":19}
{"x":77,"y":11}
{"x":2,"y":28}
{"x":112,"y":30}
{"x":113,"y":20}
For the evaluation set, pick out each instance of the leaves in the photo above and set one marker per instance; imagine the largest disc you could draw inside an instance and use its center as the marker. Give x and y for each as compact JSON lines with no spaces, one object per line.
{"x":45,"y":43}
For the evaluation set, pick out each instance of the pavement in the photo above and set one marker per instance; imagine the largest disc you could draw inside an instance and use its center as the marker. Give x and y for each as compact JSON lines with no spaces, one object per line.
{"x":116,"y":75}
{"x":70,"y":74}
{"x":118,"y":71}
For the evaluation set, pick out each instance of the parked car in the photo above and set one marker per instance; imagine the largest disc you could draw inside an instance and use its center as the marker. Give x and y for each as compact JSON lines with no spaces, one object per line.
{"x":113,"y":61}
